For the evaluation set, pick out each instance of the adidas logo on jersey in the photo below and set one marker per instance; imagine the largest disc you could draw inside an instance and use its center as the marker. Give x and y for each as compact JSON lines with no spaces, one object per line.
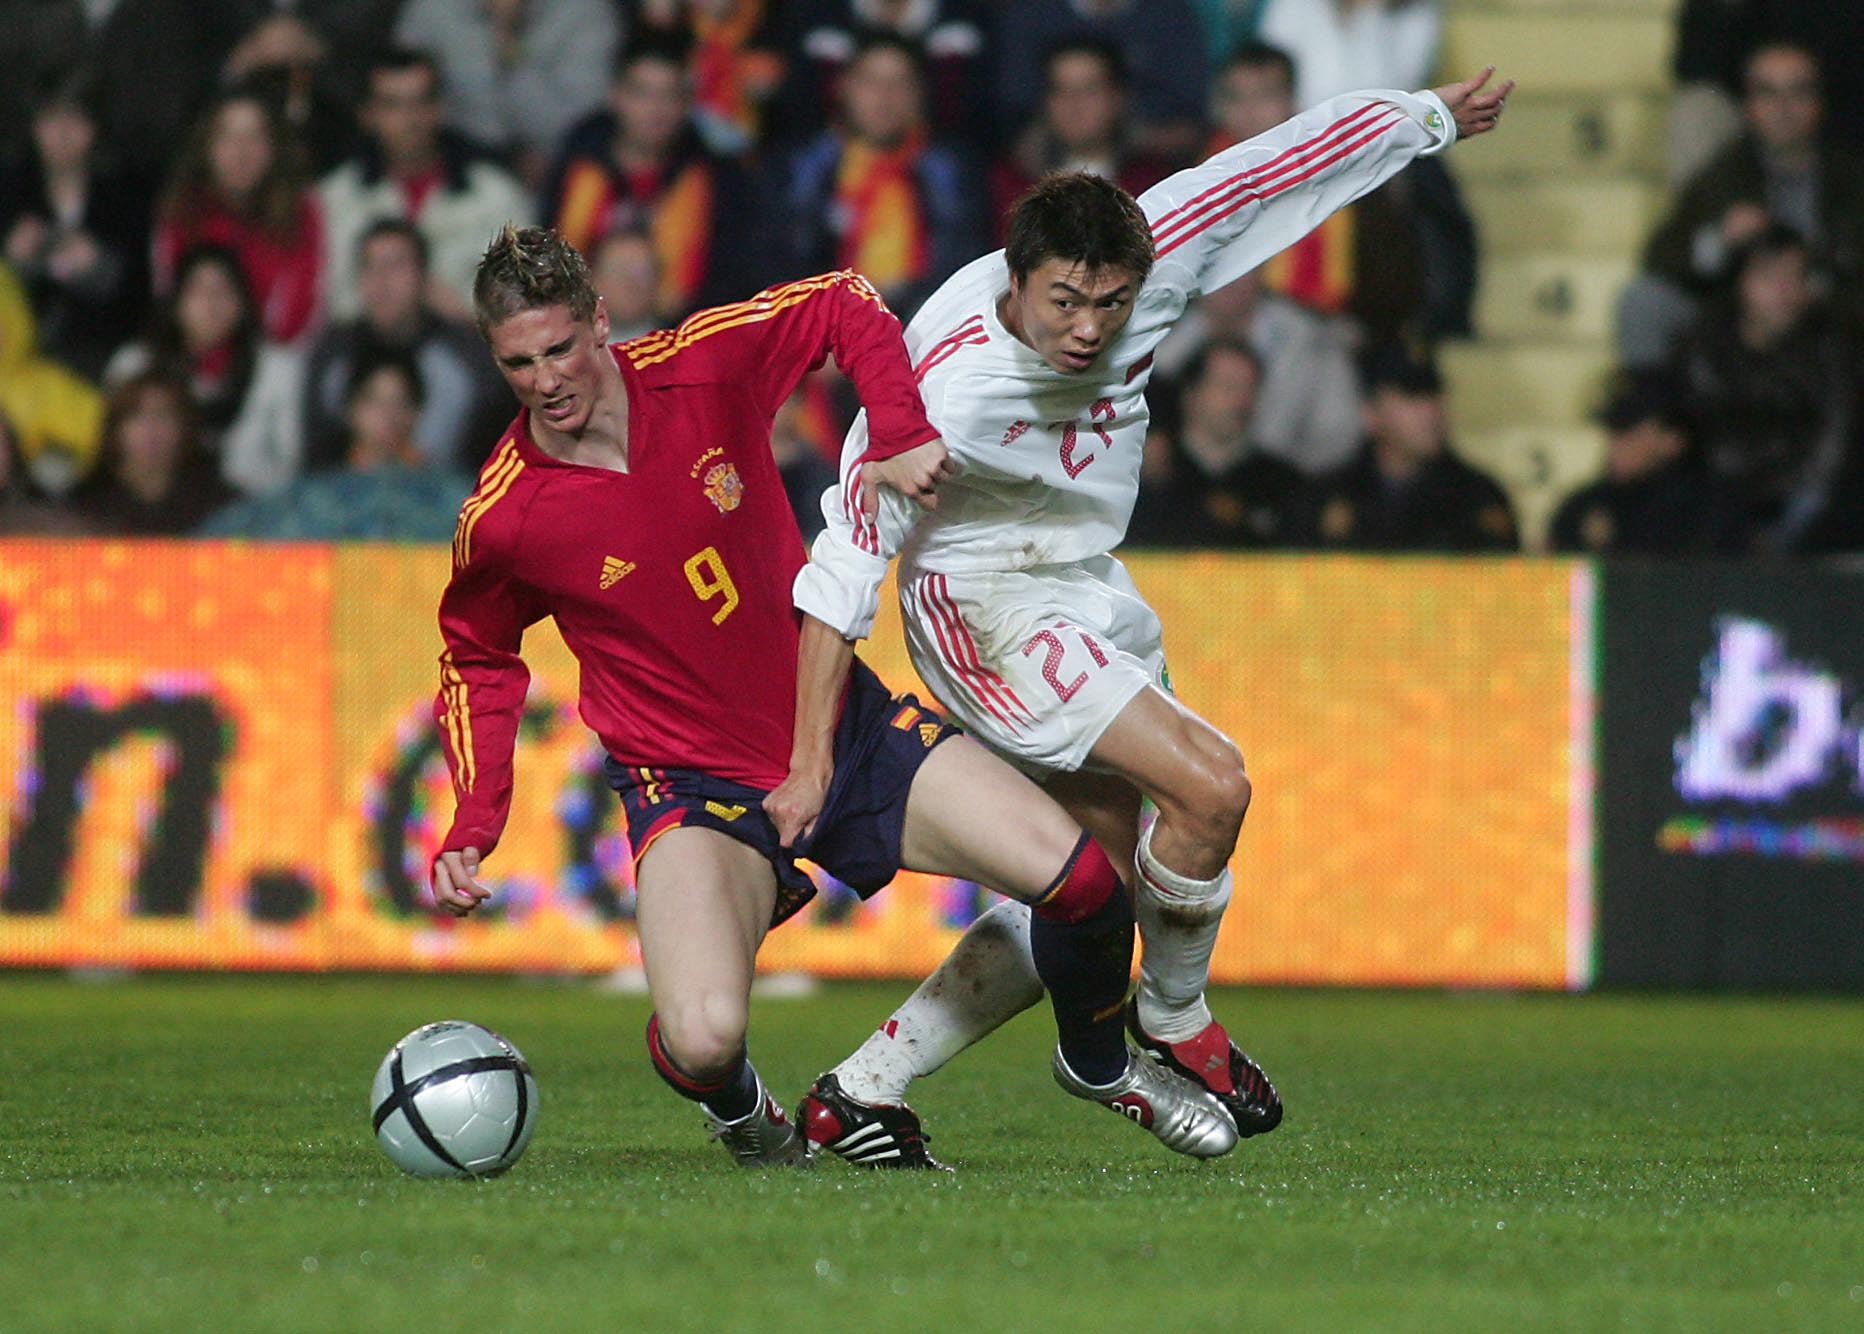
{"x":614,"y":570}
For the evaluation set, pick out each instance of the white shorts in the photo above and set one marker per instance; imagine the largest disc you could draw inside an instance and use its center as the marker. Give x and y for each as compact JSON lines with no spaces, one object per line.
{"x":1035,"y":664}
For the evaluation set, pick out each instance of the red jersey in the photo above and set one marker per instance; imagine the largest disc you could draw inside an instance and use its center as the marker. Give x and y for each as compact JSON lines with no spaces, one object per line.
{"x":671,"y":582}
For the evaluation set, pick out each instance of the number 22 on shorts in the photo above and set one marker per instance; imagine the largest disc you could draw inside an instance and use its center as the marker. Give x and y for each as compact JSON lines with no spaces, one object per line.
{"x":1054,"y":654}
{"x":706,"y":572}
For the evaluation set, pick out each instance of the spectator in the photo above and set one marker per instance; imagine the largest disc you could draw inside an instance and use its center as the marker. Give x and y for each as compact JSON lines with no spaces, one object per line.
{"x":1716,"y":37}
{"x":285,"y":60}
{"x":1219,"y":489}
{"x":382,"y":493}
{"x":76,"y":234}
{"x":152,"y":478}
{"x":640,"y":164}
{"x":1402,"y":260}
{"x":1306,"y":409}
{"x":1407,"y":490}
{"x":24,"y":509}
{"x":1706,"y":63}
{"x":802,"y":462}
{"x":516,"y":74}
{"x":1341,"y":46}
{"x":1773,"y":383}
{"x":247,"y":392}
{"x":949,"y":32}
{"x":410,"y":167}
{"x":54,"y":416}
{"x":626,"y":274}
{"x":1161,"y":44}
{"x":1655,"y":498}
{"x":1779,"y":171}
{"x":1082,"y":128}
{"x":734,"y":59}
{"x":326,"y":47}
{"x":240,"y":183}
{"x":149,"y":64}
{"x":465,"y":403}
{"x":874,"y":194}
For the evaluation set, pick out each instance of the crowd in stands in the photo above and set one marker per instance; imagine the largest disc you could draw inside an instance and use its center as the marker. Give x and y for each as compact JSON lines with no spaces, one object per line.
{"x":237,"y":241}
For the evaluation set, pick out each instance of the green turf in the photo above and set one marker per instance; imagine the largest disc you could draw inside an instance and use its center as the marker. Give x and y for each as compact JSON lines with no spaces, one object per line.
{"x":194,"y":1153}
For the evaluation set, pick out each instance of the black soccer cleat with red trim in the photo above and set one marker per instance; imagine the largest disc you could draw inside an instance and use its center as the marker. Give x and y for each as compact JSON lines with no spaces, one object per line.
{"x":1210,"y":1060}
{"x":867,"y":1134}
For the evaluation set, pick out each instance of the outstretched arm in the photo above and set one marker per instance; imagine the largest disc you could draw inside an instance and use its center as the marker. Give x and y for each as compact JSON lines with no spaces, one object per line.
{"x":1217,"y":221}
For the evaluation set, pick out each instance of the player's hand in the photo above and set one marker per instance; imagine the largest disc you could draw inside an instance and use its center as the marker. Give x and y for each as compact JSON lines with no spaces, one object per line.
{"x":796,"y":802}
{"x":456,"y":882}
{"x":914,"y":474}
{"x":1476,"y":107}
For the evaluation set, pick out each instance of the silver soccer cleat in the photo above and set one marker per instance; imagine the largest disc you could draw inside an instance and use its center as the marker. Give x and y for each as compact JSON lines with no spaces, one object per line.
{"x":765,"y":1138}
{"x":1181,"y":1116}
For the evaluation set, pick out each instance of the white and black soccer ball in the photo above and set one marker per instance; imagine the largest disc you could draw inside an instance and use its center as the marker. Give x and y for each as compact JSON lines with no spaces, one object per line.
{"x":453,"y":1099}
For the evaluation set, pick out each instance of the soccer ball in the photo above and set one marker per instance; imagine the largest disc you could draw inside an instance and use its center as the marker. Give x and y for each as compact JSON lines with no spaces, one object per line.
{"x":454,"y":1100}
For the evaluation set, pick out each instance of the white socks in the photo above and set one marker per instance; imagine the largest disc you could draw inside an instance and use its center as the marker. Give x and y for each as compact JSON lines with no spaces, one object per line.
{"x":990,"y":978}
{"x":1178,"y":921}
{"x":987,"y":979}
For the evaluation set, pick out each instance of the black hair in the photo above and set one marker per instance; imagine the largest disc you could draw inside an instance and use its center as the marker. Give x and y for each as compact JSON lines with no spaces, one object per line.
{"x":1081,"y":217}
{"x":1087,"y":44}
{"x":879,"y":39}
{"x":397,"y":59}
{"x":1262,"y":55}
{"x":394,"y":226}
{"x":385,"y":359}
{"x":1193,"y":369}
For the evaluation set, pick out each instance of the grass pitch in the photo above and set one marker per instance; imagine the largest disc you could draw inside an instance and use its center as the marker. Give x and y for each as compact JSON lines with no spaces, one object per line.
{"x":194,"y":1153}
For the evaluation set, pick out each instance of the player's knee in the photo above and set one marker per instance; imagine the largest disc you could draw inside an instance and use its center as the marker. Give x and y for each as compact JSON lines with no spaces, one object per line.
{"x":704,"y":1037}
{"x":1005,"y":921}
{"x":1220,"y":792}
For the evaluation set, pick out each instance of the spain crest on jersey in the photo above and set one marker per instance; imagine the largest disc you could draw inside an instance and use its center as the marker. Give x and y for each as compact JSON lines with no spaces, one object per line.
{"x":724,"y":488}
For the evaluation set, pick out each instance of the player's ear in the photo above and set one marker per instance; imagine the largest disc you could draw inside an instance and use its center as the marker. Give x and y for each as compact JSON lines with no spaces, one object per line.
{"x":601,"y":320}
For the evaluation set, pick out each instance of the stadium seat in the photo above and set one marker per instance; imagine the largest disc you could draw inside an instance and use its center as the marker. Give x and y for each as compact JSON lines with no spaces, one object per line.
{"x":1608,"y":216}
{"x":1571,"y":134}
{"x":1565,"y":297}
{"x":1564,"y":49}
{"x":1498,"y":384}
{"x":1539,"y":466}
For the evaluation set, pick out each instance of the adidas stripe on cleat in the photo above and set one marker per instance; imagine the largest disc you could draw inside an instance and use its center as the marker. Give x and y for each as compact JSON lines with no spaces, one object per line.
{"x":863,"y":1133}
{"x":1214,"y":1062}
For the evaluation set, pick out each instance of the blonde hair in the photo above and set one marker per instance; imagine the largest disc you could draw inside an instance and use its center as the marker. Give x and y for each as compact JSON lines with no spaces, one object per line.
{"x":526,"y":268}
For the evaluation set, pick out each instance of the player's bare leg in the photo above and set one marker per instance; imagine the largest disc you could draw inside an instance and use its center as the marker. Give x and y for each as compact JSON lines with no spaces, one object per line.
{"x":1194,"y":776}
{"x":703,"y":903}
{"x":1106,"y":805}
{"x":1080,"y":938}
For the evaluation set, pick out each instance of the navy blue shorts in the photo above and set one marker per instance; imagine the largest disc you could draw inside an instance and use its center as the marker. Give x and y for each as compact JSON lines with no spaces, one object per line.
{"x":880,"y":742}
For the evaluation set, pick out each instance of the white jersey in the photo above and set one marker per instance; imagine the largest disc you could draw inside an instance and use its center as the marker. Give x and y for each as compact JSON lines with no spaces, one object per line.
{"x":1047,"y":463}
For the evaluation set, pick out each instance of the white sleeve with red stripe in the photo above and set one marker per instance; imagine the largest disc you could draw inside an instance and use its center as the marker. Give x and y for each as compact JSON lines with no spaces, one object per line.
{"x":1222,"y":218}
{"x":839,"y":584}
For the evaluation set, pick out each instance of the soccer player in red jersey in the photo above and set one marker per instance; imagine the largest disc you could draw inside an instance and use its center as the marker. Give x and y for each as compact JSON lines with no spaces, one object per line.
{"x":635,"y":499}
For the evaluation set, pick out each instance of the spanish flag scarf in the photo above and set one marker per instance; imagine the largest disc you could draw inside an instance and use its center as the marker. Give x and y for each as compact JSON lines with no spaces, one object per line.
{"x":876,"y":191}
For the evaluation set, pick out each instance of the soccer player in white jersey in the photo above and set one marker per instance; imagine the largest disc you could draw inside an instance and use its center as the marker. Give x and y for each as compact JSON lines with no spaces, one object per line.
{"x":1033,"y":363}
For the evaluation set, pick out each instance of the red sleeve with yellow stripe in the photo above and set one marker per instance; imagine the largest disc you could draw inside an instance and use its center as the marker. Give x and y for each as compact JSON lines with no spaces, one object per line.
{"x":777,"y":337}
{"x":483,"y":680}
